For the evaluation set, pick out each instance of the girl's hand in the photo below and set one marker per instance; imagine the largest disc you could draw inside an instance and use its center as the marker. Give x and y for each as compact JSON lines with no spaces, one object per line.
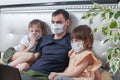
{"x":52,"y":75}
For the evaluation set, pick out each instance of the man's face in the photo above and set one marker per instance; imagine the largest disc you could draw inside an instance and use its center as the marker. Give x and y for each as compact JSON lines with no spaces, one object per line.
{"x":59,"y":19}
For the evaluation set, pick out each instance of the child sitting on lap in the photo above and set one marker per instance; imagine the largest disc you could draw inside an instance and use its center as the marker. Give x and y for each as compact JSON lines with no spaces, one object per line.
{"x":83,"y":65}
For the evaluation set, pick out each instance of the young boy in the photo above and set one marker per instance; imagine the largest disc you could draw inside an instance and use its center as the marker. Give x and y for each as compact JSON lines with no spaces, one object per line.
{"x":83,"y":65}
{"x":14,"y":55}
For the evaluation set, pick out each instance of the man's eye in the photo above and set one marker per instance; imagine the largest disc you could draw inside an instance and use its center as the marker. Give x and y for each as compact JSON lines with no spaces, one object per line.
{"x":59,"y":22}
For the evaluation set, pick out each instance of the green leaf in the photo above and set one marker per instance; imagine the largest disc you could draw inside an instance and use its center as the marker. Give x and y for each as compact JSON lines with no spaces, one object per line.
{"x":113,"y":68}
{"x":110,"y":32}
{"x":95,"y":30}
{"x":116,"y":39}
{"x":95,"y":13}
{"x":104,"y":30}
{"x":106,"y":40}
{"x":94,"y":5}
{"x":114,"y":64}
{"x":86,"y":16}
{"x":103,"y":16}
{"x":117,"y":14}
{"x":91,"y":21}
{"x":109,"y":57}
{"x":113,"y":24}
{"x":111,"y":14}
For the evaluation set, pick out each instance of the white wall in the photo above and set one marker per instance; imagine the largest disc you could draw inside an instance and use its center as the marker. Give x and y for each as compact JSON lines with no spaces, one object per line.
{"x":9,"y":2}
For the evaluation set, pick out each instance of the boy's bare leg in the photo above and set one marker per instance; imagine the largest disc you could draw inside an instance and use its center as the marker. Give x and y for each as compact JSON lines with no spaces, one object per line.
{"x":22,"y":66}
{"x":18,"y":54}
{"x":22,"y":59}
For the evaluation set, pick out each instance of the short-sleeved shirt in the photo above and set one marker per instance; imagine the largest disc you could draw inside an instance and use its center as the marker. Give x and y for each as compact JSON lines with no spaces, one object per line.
{"x":54,"y":54}
{"x":26,"y":42}
{"x":89,"y":72}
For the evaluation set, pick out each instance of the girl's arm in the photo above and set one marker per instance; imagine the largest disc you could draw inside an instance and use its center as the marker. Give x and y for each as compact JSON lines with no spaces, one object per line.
{"x":73,"y":73}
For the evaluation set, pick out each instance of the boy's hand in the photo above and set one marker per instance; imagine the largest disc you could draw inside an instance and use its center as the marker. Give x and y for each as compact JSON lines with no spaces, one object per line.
{"x":33,"y":40}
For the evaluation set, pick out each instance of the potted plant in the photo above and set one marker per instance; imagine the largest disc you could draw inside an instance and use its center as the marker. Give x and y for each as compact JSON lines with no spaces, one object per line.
{"x":111,"y":29}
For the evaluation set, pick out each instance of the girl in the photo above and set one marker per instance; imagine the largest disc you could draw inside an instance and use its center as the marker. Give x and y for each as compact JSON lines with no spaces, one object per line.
{"x":83,"y":65}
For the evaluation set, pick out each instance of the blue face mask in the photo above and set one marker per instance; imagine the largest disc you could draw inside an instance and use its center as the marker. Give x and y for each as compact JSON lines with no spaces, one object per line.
{"x":57,"y":28}
{"x":77,"y":46}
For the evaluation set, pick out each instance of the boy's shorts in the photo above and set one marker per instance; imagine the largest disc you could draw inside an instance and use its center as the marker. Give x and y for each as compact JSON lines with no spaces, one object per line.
{"x":8,"y":54}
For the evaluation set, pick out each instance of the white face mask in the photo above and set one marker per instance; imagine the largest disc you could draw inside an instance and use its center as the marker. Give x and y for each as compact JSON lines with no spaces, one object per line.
{"x":77,"y":46}
{"x":38,"y":36}
{"x":57,"y":28}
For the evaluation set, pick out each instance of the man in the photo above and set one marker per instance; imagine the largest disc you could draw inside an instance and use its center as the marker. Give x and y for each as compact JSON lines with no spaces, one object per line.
{"x":53,"y":48}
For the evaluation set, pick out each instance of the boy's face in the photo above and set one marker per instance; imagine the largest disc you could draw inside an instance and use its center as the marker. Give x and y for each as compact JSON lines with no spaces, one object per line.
{"x":35,"y":30}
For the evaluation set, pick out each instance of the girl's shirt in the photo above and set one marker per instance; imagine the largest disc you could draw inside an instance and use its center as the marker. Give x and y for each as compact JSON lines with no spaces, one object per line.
{"x":76,"y":59}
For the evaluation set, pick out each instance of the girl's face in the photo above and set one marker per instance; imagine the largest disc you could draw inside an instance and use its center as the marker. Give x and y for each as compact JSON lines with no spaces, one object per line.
{"x":77,"y":45}
{"x":35,"y":30}
{"x":76,"y":40}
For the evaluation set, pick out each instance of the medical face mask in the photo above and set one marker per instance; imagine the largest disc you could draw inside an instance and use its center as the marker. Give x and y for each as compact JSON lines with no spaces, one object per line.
{"x":57,"y":28}
{"x":39,"y":35}
{"x":77,"y":46}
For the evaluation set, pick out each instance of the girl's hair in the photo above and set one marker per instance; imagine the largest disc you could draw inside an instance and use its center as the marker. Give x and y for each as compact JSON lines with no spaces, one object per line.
{"x":83,"y":32}
{"x":38,"y":22}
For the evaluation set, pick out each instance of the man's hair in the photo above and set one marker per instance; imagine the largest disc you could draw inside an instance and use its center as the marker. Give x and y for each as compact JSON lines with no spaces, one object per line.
{"x":83,"y":32}
{"x":37,"y":21}
{"x":63,"y":12}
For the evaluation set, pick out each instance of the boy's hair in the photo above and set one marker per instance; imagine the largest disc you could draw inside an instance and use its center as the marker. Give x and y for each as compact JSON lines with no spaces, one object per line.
{"x":37,"y":21}
{"x":83,"y":32}
{"x":63,"y":12}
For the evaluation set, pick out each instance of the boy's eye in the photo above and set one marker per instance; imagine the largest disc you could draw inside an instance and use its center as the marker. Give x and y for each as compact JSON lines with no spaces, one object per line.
{"x":37,"y":31}
{"x":31,"y":31}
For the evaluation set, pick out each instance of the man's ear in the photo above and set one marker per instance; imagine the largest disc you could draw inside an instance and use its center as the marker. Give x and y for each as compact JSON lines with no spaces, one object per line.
{"x":68,"y":22}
